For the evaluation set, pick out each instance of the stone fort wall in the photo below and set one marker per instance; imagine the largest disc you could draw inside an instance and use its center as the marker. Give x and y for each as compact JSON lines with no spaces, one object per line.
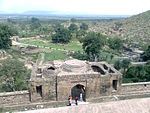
{"x":18,"y":97}
{"x":135,"y":88}
{"x":23,"y":97}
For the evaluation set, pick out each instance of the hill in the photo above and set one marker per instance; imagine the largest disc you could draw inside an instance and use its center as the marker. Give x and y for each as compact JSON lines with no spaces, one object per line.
{"x":138,"y":27}
{"x":135,"y":28}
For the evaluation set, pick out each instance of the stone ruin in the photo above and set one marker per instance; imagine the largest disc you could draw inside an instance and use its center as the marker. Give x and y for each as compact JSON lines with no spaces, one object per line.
{"x":3,"y":54}
{"x":30,"y":49}
{"x":56,"y":80}
{"x":15,"y":38}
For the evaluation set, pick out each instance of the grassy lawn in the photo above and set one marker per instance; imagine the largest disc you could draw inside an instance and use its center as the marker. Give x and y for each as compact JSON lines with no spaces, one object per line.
{"x":72,"y":46}
{"x":58,"y":51}
{"x":55,"y":55}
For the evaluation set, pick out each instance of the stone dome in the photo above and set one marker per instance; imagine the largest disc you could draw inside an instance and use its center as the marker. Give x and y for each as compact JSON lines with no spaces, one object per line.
{"x":74,"y":66}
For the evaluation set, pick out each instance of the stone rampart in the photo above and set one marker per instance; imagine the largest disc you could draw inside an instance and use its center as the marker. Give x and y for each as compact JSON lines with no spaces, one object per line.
{"x":23,"y":97}
{"x":18,"y":97}
{"x":135,"y":88}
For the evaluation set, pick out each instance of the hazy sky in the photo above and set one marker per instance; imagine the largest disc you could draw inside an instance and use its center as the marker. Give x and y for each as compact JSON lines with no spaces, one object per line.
{"x":105,"y":7}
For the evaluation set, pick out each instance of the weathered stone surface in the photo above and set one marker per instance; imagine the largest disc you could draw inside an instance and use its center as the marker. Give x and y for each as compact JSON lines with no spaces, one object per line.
{"x":56,"y":80}
{"x":17,"y":97}
{"x":125,"y":106}
{"x":135,"y":88}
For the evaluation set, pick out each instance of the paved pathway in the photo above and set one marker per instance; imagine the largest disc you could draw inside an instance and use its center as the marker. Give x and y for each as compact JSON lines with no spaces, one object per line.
{"x":124,"y":106}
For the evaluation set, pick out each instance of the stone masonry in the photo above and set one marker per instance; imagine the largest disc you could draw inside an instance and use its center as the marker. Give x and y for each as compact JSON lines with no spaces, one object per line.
{"x":58,"y":79}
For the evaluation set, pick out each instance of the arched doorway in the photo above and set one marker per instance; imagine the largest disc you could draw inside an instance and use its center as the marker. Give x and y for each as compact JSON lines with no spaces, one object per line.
{"x":77,"y":91}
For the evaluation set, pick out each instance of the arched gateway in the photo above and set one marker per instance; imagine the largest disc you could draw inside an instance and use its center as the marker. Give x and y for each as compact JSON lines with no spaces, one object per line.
{"x":78,"y":91}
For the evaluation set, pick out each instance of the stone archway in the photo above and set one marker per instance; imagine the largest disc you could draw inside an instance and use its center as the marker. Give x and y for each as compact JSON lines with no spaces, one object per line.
{"x":77,"y":91}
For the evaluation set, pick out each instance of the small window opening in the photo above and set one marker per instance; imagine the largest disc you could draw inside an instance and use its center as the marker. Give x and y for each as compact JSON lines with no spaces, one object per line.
{"x":39,"y":90}
{"x":51,"y":68}
{"x":145,"y":85}
{"x":39,"y":70}
{"x":111,"y":71}
{"x":105,"y":67}
{"x":115,"y":84}
{"x":98,"y":69}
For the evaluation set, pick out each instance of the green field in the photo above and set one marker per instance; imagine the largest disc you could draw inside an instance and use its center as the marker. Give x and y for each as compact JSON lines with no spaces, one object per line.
{"x":56,"y":51}
{"x":72,"y":46}
{"x":55,"y":55}
{"x":61,"y":51}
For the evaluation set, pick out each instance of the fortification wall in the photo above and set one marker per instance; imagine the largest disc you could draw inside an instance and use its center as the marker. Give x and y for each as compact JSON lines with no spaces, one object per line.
{"x":23,"y":97}
{"x":135,"y":88}
{"x":17,"y":97}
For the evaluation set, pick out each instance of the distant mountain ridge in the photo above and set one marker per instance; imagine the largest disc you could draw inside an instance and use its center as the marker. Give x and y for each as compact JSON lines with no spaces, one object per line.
{"x":39,"y":12}
{"x":64,"y":14}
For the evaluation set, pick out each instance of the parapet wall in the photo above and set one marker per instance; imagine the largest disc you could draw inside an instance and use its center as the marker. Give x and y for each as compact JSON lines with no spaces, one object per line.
{"x":135,"y":88}
{"x":17,"y":97}
{"x":23,"y":97}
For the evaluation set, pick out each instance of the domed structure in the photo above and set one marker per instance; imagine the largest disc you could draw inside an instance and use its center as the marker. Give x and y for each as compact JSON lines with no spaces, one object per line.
{"x":74,"y":66}
{"x":57,"y":80}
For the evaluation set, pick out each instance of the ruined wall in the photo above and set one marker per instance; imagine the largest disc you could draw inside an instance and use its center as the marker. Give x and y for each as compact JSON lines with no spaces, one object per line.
{"x":105,"y":85}
{"x":135,"y":88}
{"x":48,"y":89}
{"x":17,"y":97}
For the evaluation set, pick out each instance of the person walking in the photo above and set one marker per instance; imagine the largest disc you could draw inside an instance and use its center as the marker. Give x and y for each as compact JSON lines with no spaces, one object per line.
{"x":76,"y":100}
{"x":81,"y":97}
{"x":69,"y":100}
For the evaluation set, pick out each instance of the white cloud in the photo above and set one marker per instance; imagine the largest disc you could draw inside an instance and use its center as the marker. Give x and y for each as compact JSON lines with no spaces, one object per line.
{"x":124,"y":7}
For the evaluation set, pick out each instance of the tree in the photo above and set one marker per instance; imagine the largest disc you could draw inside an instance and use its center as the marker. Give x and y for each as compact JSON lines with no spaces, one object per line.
{"x":83,"y":26}
{"x":92,"y":44}
{"x":5,"y":33}
{"x":73,"y":28}
{"x":146,"y":55}
{"x":73,"y":20}
{"x":35,"y":23}
{"x":80,"y":34}
{"x":122,"y":64}
{"x":147,"y":72}
{"x":115,"y":43}
{"x":13,"y":75}
{"x":62,"y":35}
{"x":138,"y":73}
{"x":118,"y":65}
{"x":125,"y":64}
{"x":79,"y":55}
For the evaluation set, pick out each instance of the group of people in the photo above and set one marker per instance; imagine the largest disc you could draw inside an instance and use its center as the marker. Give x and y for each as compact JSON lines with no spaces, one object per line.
{"x":76,"y":100}
{"x":70,"y":100}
